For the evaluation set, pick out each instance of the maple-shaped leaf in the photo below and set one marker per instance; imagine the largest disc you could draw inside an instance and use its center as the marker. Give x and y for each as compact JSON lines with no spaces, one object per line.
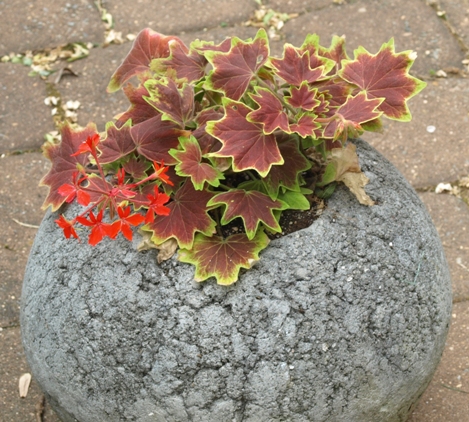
{"x":222,"y":258}
{"x":288,"y":175}
{"x":316,"y":58}
{"x":350,"y":116}
{"x":234,"y":70}
{"x":303,"y":97}
{"x":64,"y":165}
{"x":190,"y":164}
{"x":203,"y":46}
{"x":117,"y":144}
{"x":206,"y":141}
{"x":335,"y":52}
{"x":155,"y":137}
{"x":188,"y":215}
{"x":270,"y":112}
{"x":306,"y":125}
{"x":177,"y":105}
{"x":295,"y":67}
{"x":336,"y":92}
{"x":140,"y":110}
{"x":384,"y":75}
{"x":187,"y":64}
{"x":147,"y":46}
{"x":343,"y":166}
{"x":251,"y":206}
{"x":137,"y":167}
{"x":244,"y":141}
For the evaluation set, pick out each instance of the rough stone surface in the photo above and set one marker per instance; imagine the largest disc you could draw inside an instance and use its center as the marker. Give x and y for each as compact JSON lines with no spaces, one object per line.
{"x":343,"y":321}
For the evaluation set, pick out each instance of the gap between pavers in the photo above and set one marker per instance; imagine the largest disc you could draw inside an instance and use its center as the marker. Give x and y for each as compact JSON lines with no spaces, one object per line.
{"x":457,"y":13}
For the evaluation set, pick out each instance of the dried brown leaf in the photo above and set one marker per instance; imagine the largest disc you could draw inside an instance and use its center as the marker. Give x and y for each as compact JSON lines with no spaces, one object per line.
{"x":166,"y":250}
{"x":356,"y":183}
{"x":24,"y":382}
{"x":349,"y":172}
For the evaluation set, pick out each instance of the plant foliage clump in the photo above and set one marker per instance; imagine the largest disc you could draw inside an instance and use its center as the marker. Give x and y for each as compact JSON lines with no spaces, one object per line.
{"x":218,"y":133}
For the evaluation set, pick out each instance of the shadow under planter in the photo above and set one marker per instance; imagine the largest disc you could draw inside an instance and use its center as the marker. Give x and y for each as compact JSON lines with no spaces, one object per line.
{"x":343,"y":321}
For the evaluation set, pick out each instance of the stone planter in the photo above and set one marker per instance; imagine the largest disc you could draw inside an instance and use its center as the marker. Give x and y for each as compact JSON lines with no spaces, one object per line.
{"x":343,"y":321}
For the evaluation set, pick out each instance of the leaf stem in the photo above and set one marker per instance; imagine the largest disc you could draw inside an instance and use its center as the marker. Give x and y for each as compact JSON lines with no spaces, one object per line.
{"x":225,"y":187}
{"x":280,"y":97}
{"x":251,"y":175}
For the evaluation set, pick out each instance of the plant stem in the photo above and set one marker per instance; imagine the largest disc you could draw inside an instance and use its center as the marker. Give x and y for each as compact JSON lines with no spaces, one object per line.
{"x":280,"y":97}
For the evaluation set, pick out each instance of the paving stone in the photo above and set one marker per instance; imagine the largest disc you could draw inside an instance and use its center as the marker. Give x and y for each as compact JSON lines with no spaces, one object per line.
{"x":217,"y":35}
{"x":446,"y":398}
{"x":434,"y":146}
{"x":296,"y":6}
{"x":413,"y":25}
{"x":89,"y":88}
{"x":24,"y":118}
{"x":178,"y":16}
{"x":43,"y":24}
{"x":457,"y":13}
{"x":12,"y":365}
{"x":20,"y":199}
{"x":451,"y":218}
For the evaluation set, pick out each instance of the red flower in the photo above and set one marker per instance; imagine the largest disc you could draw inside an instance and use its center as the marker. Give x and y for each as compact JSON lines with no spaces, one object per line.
{"x":72,"y":190}
{"x":122,"y":189}
{"x":67,"y":227}
{"x":88,"y":146}
{"x":126,"y":220}
{"x":99,"y":229}
{"x":160,"y":173}
{"x":156,"y":205}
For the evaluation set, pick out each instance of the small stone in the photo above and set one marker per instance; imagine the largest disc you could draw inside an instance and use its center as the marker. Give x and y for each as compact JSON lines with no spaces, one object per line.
{"x":431,"y":129}
{"x":443,"y":187}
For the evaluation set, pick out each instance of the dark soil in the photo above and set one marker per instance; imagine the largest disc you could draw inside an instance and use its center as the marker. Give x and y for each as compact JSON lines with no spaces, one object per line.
{"x":290,"y":220}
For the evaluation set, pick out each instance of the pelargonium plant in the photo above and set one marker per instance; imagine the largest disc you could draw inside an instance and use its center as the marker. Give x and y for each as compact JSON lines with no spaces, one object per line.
{"x":218,"y":134}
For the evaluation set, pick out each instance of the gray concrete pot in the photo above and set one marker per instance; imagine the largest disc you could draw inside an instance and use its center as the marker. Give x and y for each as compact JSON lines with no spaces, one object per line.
{"x":343,"y":321}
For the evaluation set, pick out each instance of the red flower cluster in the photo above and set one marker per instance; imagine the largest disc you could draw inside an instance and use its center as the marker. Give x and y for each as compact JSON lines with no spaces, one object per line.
{"x":97,"y":191}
